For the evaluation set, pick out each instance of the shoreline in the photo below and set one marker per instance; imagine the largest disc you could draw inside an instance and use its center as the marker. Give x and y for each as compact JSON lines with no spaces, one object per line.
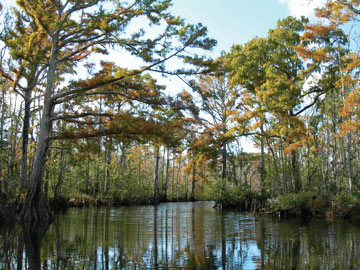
{"x":313,"y":208}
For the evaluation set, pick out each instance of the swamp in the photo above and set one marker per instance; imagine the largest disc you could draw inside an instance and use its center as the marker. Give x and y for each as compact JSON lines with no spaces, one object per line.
{"x":179,"y":134}
{"x":187,"y":235}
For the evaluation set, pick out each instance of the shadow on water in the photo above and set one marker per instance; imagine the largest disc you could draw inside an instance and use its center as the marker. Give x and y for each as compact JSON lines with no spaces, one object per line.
{"x":178,"y":236}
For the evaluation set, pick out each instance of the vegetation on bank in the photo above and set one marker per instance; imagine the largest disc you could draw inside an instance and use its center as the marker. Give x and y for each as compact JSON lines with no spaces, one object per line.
{"x":116,"y":136}
{"x":304,"y":204}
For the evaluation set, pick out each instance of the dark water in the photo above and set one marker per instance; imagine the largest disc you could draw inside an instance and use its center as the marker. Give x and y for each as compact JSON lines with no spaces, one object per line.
{"x":179,"y":236}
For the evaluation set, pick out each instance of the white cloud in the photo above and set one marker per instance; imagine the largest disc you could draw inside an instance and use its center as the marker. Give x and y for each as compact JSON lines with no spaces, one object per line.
{"x":300,"y":8}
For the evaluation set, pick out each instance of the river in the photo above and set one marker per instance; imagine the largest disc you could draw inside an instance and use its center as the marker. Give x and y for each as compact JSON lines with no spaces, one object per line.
{"x":179,"y":236}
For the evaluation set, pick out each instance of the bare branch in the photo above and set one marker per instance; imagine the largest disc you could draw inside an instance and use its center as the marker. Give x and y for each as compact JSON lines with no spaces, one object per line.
{"x":80,"y":115}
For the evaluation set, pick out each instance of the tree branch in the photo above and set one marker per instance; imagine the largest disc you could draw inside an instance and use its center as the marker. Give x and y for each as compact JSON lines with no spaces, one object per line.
{"x":74,"y":116}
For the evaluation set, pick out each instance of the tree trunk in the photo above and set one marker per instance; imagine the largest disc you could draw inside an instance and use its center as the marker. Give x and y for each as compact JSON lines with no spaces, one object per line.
{"x":25,"y":140}
{"x":186,"y":186}
{"x":2,"y":120}
{"x":192,"y":196}
{"x":223,"y":173}
{"x":87,"y":180}
{"x":173,"y":175}
{"x":35,"y":206}
{"x":262,"y":166}
{"x":156,"y":176}
{"x":167,"y":174}
{"x":349,"y":161}
{"x":162,"y":180}
{"x":295,"y":172}
{"x":224,"y":160}
{"x":107,"y":169}
{"x":61,"y":173}
{"x":12,"y":165}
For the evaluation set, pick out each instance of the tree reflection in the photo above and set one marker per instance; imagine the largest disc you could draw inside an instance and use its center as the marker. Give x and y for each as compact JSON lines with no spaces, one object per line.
{"x":178,"y":236}
{"x":33,"y":234}
{"x":155,"y":237}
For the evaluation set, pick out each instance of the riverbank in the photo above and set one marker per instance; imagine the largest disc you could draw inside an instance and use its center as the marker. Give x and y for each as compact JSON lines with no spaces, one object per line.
{"x":304,"y":204}
{"x":11,"y":204}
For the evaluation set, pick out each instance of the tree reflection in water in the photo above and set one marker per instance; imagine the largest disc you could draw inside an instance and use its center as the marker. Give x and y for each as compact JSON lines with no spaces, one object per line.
{"x":178,"y":236}
{"x":32,"y":234}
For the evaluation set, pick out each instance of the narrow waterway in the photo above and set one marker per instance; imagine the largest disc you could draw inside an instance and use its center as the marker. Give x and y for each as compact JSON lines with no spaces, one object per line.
{"x":179,"y":236}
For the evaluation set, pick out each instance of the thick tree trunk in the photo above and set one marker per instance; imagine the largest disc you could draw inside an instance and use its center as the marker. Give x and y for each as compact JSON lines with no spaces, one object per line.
{"x":25,"y":140}
{"x":35,"y":206}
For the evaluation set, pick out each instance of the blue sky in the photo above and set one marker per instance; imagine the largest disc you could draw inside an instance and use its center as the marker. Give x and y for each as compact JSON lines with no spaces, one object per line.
{"x":237,"y":21}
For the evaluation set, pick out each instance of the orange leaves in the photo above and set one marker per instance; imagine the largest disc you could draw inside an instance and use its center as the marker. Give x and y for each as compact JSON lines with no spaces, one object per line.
{"x":292,"y":147}
{"x":320,"y":29}
{"x":304,"y":52}
{"x":351,"y":113}
{"x":349,"y":126}
{"x":351,"y":103}
{"x":353,"y":60}
{"x":322,"y":13}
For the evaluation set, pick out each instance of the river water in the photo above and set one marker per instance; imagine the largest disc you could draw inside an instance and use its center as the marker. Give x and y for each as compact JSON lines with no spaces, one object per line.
{"x":179,"y":236}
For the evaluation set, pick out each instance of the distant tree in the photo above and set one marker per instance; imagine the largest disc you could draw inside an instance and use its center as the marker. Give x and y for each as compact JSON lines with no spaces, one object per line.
{"x":217,"y":102}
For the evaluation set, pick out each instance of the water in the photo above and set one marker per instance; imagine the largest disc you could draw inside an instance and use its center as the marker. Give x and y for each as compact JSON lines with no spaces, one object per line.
{"x":179,"y":236}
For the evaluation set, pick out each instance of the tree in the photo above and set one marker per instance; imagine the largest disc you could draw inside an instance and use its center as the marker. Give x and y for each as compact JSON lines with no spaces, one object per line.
{"x":77,"y":30}
{"x":25,"y":71}
{"x":326,"y":44}
{"x":218,"y":104}
{"x":272,"y":77}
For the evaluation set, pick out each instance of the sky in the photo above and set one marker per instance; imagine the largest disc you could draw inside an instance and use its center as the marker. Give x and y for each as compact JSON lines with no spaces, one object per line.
{"x":238,"y":21}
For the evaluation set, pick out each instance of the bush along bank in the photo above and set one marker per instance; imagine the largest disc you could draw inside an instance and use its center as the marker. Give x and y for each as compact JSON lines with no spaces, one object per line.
{"x":305,"y":204}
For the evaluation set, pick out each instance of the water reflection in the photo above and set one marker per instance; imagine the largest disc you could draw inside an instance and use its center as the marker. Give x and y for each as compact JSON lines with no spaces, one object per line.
{"x":178,"y":236}
{"x":32,"y":234}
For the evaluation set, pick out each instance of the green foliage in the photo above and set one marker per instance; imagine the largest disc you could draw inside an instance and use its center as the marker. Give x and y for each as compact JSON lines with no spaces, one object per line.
{"x":229,"y":195}
{"x":348,"y":200}
{"x":129,"y":192}
{"x":291,"y":201}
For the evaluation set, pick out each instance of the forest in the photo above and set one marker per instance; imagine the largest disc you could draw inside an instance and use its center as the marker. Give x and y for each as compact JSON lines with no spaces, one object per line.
{"x":79,"y":127}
